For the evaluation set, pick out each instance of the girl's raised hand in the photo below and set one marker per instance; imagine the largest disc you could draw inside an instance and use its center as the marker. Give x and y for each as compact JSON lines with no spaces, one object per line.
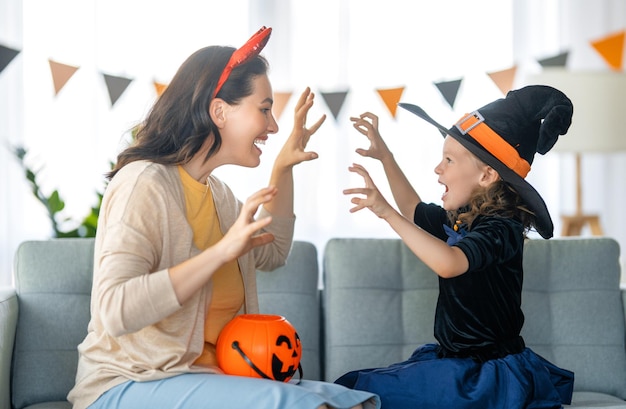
{"x":367,"y":124}
{"x":293,"y":152}
{"x":373,"y":200}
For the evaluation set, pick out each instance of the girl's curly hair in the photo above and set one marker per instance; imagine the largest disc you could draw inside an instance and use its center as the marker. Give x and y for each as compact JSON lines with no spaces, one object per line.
{"x":497,"y":200}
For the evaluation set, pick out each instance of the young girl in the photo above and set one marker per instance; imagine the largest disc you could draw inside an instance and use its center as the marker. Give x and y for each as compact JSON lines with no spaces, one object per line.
{"x":176,"y":253}
{"x":474,"y":243}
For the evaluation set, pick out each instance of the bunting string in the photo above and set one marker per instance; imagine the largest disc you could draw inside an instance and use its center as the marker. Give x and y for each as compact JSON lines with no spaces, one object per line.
{"x":610,"y":48}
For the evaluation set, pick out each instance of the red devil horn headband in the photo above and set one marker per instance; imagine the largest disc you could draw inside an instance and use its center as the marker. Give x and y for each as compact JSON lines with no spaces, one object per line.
{"x":248,"y":51}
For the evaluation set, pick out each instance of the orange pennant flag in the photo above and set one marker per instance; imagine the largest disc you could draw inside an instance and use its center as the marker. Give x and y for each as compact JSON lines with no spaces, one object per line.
{"x":391,"y":97}
{"x":159,"y":87}
{"x":280,"y":101}
{"x":611,"y":48}
{"x":504,"y":79}
{"x":61,"y":73}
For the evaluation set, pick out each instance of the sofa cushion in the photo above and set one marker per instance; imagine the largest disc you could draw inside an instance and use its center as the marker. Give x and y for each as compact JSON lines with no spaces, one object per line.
{"x":588,"y":400}
{"x":379,"y":304}
{"x":574,"y":313}
{"x":53,"y":283}
{"x":293,"y":292}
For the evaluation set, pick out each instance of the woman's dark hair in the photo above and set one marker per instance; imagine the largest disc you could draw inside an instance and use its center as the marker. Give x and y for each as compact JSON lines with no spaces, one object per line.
{"x":179,"y":122}
{"x":500,"y":200}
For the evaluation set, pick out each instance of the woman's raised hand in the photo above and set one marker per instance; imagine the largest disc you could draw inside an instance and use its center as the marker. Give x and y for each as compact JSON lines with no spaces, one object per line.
{"x":293,"y":151}
{"x":244,"y":234}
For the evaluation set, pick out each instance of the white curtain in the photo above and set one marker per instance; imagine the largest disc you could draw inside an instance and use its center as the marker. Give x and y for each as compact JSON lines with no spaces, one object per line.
{"x":11,"y":128}
{"x":545,"y":28}
{"x":352,"y":46}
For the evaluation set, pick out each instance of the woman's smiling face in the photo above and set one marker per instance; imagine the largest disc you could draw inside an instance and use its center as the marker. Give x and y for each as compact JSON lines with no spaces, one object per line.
{"x":461,"y":173}
{"x":248,"y":124}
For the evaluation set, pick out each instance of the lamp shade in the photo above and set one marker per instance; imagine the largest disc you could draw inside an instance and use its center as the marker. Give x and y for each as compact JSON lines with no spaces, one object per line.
{"x":599,"y":98}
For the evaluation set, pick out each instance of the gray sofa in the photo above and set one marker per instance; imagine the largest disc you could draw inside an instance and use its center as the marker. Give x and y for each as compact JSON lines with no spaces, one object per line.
{"x":376,"y":306}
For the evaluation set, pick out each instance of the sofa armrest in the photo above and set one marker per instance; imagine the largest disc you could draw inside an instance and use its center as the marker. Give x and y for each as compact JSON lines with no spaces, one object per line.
{"x":623,"y":291}
{"x":8,"y":321}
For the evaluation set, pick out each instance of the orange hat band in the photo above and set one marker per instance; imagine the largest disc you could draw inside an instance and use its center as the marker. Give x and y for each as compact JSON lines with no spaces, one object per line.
{"x":474,"y":125}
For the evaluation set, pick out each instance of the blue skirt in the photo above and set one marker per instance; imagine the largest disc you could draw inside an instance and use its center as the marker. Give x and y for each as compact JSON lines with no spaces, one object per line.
{"x":524,"y":380}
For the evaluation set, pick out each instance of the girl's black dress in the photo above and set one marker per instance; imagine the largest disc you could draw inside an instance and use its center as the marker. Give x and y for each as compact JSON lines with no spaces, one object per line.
{"x":480,"y":360}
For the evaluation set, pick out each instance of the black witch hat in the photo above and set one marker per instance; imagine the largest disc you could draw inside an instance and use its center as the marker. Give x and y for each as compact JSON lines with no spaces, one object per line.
{"x":506,"y":134}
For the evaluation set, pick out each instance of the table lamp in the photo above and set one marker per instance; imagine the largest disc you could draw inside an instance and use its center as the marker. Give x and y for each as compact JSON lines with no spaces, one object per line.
{"x":599,"y":100}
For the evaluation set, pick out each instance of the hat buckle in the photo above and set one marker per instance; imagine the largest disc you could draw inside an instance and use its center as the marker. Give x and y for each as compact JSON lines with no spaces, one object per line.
{"x":477,"y":120}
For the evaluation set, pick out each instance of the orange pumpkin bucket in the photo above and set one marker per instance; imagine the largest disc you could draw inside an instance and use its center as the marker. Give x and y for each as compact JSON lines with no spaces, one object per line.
{"x":260,"y":346}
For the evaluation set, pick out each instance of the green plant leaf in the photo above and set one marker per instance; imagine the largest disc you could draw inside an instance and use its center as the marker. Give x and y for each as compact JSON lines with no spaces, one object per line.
{"x":55,"y":203}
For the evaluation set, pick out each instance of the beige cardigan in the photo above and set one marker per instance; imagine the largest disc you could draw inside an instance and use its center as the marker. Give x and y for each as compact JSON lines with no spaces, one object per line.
{"x":138,"y":330}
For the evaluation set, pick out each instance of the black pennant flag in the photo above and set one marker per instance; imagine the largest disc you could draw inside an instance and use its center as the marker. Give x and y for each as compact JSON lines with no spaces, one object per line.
{"x":559,"y":60}
{"x":6,"y":56}
{"x":116,"y":86}
{"x":335,"y":101}
{"x":449,"y":90}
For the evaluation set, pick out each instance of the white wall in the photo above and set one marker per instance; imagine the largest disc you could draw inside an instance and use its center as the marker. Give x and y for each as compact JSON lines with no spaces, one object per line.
{"x":330,"y":45}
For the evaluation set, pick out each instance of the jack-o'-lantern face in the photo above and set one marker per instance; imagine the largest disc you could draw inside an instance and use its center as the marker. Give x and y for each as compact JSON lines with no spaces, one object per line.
{"x":286,"y":357}
{"x":261,"y":346}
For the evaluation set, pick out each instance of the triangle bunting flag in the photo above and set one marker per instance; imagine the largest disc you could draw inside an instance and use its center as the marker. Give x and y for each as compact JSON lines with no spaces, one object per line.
{"x":159,"y":87}
{"x":503,"y":79}
{"x":559,"y":60}
{"x":335,"y":101}
{"x":61,"y":74}
{"x":391,"y":97}
{"x":449,"y":90}
{"x":280,"y":101}
{"x":116,"y":86}
{"x":611,"y":48}
{"x":6,"y":56}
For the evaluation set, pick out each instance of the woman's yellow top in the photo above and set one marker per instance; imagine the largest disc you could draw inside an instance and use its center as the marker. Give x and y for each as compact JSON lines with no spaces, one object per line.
{"x":228,"y":293}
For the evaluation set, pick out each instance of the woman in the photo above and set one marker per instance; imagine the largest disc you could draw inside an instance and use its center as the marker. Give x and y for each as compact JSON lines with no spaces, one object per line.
{"x":176,"y":252}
